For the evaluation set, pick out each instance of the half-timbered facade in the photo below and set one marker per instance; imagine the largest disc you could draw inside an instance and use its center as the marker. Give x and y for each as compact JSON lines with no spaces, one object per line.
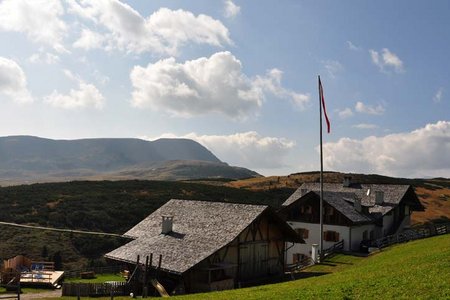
{"x":208,"y":246}
{"x":351,"y":212}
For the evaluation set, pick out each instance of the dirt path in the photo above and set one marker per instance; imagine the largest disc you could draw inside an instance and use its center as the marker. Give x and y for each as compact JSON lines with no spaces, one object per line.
{"x":50,"y":294}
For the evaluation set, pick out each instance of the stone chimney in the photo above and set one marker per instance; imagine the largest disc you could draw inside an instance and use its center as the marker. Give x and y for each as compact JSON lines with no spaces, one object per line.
{"x":379,"y":197}
{"x":357,"y":205}
{"x":167,"y":224}
{"x":347,"y":181}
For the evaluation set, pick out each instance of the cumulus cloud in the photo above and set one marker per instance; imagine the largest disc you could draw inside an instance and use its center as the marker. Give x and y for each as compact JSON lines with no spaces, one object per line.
{"x":86,"y":96}
{"x":231,"y":9}
{"x":246,"y":149}
{"x":369,"y":109}
{"x":40,"y":20}
{"x":332,"y":67}
{"x":163,"y":32}
{"x":345,"y":113}
{"x":205,"y":85}
{"x":386,"y":60}
{"x":422,"y":152}
{"x":438,"y":96}
{"x":44,"y":58}
{"x":89,"y":40}
{"x":13,"y":82}
{"x":365,"y":126}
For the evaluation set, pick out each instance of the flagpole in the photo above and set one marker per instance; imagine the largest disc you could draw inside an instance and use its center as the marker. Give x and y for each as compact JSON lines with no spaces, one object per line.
{"x":321,"y":176}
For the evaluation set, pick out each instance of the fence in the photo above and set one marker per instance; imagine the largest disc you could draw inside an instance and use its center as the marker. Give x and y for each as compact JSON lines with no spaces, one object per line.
{"x":411,"y":234}
{"x":97,"y":270}
{"x":306,"y":262}
{"x":96,"y":289}
{"x":333,"y":249}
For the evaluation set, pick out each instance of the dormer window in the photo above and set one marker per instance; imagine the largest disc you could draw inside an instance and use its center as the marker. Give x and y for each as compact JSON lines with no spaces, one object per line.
{"x":306,"y":209}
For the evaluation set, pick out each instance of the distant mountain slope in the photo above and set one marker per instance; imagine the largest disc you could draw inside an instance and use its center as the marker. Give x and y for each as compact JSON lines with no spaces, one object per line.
{"x":38,"y":159}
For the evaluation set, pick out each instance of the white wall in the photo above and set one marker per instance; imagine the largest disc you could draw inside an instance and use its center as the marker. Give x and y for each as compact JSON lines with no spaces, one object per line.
{"x":355,"y":239}
{"x":313,"y":238}
{"x":357,"y":235}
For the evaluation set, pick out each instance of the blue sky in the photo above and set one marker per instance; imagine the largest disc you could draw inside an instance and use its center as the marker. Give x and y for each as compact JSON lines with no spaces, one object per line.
{"x":240,"y":77}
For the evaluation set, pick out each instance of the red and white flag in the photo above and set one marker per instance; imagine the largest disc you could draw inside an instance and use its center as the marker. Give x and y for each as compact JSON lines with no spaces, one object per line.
{"x":322,"y":102}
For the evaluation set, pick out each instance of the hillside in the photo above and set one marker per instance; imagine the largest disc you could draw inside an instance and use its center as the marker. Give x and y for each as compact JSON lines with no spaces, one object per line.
{"x":26,"y":159}
{"x":107,"y":206}
{"x":415,"y":270}
{"x":433,"y":193}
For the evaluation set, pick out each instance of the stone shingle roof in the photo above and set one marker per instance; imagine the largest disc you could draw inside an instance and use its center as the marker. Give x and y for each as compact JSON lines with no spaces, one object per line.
{"x":340,"y":201}
{"x":200,"y":228}
{"x":342,"y":198}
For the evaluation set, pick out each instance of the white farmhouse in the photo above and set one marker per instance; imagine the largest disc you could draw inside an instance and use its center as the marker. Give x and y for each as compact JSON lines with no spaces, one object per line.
{"x":353,"y":213}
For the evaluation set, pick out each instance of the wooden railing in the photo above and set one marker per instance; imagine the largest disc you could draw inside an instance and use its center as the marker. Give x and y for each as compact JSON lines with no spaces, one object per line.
{"x":333,"y":249}
{"x":96,"y":289}
{"x":306,"y":262}
{"x":411,"y":234}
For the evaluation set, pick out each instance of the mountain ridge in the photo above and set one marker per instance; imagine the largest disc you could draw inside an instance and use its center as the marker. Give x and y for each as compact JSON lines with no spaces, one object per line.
{"x":36,"y":159}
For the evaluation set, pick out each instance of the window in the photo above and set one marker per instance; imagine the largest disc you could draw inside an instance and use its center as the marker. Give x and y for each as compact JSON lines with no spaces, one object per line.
{"x":304,"y":233}
{"x":306,"y":209}
{"x":331,"y":236}
{"x":372,"y":235}
{"x":364,"y":237}
{"x":297,"y":257}
{"x":329,"y":211}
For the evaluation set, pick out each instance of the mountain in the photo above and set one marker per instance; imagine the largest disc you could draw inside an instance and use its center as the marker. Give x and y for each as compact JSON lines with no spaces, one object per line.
{"x":29,"y":158}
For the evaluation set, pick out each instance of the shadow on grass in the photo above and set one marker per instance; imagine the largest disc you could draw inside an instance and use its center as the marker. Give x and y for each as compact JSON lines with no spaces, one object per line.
{"x":303,"y":275}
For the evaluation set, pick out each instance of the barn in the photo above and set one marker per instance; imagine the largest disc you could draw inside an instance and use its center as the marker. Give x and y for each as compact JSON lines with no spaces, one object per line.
{"x":207,"y":246}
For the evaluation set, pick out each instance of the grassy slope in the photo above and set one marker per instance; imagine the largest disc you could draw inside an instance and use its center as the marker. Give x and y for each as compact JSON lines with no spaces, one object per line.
{"x":418,"y":270}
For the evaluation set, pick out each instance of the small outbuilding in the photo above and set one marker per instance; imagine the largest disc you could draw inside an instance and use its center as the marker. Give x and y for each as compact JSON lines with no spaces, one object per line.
{"x":206,"y":246}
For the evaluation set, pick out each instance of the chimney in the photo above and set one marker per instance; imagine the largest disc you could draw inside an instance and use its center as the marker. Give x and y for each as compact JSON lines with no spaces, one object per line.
{"x":379,"y":197}
{"x":347,"y":181}
{"x":167,"y":224}
{"x":357,"y":205}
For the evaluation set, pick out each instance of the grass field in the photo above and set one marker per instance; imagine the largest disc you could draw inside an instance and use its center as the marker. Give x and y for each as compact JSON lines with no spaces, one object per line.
{"x":415,"y":270}
{"x":99,"y":278}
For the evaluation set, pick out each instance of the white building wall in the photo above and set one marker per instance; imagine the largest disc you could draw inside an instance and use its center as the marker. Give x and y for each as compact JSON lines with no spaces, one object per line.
{"x":352,"y":237}
{"x":357,"y":235}
{"x":313,"y":238}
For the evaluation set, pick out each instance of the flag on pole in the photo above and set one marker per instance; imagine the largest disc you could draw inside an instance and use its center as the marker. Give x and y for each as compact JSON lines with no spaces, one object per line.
{"x":322,"y":100}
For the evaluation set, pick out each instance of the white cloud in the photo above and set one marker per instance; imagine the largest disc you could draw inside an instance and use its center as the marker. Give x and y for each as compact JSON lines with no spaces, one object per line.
{"x":231,"y":9}
{"x":163,"y":32}
{"x":205,"y":85}
{"x":386,"y":60}
{"x":422,"y":152}
{"x":352,"y":46}
{"x":271,"y":83}
{"x":13,"y":82}
{"x":246,"y":149}
{"x":345,"y":113}
{"x":89,"y":40}
{"x":369,"y":109}
{"x":44,"y":58}
{"x":87,"y":95}
{"x":365,"y":126}
{"x":438,"y":96}
{"x":332,"y":67}
{"x":38,"y":19}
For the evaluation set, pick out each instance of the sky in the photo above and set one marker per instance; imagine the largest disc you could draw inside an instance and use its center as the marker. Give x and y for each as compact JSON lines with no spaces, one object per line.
{"x":239,"y":77}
